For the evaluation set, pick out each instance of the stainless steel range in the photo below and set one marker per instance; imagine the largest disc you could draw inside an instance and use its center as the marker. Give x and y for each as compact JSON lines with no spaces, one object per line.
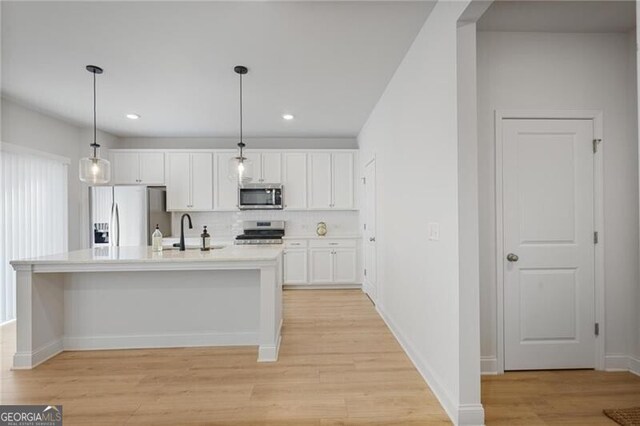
{"x":261,"y":232}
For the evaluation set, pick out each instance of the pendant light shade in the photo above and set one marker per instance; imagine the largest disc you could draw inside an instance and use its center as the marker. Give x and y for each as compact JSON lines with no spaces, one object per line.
{"x":240,"y":167}
{"x":93,"y":169}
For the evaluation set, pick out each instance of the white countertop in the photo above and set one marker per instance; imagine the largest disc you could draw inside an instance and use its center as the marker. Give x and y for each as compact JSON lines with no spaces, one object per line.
{"x":106,"y":255}
{"x":326,"y":237}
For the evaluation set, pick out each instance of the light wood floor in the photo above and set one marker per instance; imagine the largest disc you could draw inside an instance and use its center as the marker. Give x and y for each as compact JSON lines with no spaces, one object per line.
{"x":339,"y":364}
{"x":557,"y":397}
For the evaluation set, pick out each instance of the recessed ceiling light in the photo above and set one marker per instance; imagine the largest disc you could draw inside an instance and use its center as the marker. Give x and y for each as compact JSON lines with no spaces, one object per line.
{"x":133,"y":116}
{"x":287,"y":116}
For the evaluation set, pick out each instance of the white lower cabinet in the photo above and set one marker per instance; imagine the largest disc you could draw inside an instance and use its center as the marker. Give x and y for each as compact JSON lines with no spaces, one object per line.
{"x":321,"y":262}
{"x":295,"y":266}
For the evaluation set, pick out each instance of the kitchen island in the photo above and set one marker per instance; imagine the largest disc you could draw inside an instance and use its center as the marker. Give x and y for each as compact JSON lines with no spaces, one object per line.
{"x":131,"y":297}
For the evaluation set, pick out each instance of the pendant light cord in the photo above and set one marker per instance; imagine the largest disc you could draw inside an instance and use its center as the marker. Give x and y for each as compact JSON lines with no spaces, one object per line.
{"x":241,"y":144}
{"x":94,"y":117}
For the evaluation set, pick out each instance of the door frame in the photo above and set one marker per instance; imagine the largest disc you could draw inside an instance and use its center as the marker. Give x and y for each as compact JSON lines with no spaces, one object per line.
{"x":596,"y":116}
{"x":371,"y":160}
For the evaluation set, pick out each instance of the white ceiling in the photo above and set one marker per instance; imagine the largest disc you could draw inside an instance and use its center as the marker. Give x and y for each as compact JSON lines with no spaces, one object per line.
{"x":559,"y":16}
{"x":172,"y":62}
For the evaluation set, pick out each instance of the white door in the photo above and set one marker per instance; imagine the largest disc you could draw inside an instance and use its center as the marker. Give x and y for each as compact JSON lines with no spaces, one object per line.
{"x":344,"y":265}
{"x":271,"y":167}
{"x":321,"y":264}
{"x":125,"y":167}
{"x":548,"y":212}
{"x":152,"y":168}
{"x":320,"y":181}
{"x":201,"y":181}
{"x":226,"y":191}
{"x":178,"y":181}
{"x":295,"y":266}
{"x":370,"y":253}
{"x":295,"y":180}
{"x":343,"y":180}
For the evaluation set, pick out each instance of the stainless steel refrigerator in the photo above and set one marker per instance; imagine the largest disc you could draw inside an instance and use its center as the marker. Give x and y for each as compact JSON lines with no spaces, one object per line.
{"x":127,"y":215}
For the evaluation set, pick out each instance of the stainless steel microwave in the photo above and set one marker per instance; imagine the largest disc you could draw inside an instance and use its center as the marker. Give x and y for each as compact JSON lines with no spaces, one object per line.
{"x":260,"y":196}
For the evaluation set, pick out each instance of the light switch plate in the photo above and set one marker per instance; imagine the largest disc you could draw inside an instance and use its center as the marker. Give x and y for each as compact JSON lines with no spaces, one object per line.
{"x":433,"y":231}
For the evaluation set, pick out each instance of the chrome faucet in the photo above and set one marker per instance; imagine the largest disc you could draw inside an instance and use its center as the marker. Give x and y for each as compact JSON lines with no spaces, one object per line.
{"x":182,"y":246}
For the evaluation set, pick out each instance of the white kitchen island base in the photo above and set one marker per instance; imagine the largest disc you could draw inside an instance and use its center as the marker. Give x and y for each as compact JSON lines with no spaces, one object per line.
{"x":129,"y":297}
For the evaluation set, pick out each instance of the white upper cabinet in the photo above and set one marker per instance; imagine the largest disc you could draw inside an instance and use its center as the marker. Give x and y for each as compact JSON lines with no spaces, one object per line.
{"x":225,"y":191}
{"x":320,"y":182}
{"x":294,"y":174}
{"x":202,"y":181}
{"x":133,"y":167}
{"x":271,"y":167}
{"x":267,"y":166}
{"x":189,"y":181}
{"x":343,"y":180}
{"x":331,"y":180}
{"x":152,"y":168}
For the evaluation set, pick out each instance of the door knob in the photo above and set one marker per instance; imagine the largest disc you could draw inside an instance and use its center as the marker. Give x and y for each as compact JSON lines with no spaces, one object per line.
{"x":372,"y":239}
{"x":512,"y":257}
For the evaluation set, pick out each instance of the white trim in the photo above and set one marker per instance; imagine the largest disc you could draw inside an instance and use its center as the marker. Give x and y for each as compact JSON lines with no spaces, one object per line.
{"x":176,"y":340}
{"x":634,"y":365}
{"x":617,"y":362}
{"x":463,"y":414}
{"x":25,"y":361}
{"x":622,"y":363}
{"x":354,"y":286}
{"x":19,"y":149}
{"x":597,"y":117}
{"x":488,"y":365}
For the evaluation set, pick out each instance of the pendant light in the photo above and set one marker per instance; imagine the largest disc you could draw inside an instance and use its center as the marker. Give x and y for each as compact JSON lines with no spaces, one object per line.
{"x":240,"y":167}
{"x":94,"y":170}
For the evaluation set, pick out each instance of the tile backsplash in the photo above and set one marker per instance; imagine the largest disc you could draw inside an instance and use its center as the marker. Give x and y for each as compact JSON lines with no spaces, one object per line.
{"x":297,"y":223}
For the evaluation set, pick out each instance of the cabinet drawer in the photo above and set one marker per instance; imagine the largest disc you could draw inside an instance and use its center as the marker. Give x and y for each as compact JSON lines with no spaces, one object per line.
{"x":295,"y":243}
{"x":332,"y":243}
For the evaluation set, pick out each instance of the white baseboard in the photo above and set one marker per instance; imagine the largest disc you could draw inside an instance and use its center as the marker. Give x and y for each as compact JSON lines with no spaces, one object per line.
{"x":489,"y":365}
{"x":27,"y":360}
{"x":634,"y":365}
{"x":321,"y":286}
{"x":470,"y":414}
{"x":617,"y":362}
{"x":160,"y":341}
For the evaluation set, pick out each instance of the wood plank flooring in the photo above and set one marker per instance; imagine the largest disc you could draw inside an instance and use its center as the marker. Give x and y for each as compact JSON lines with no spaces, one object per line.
{"x":339,"y":364}
{"x":569,"y":397}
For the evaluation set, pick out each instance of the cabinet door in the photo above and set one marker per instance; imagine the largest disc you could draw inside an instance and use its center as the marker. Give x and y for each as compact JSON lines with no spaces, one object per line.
{"x":202,"y":181}
{"x":321,"y":265}
{"x":295,"y":180}
{"x":178,"y":181}
{"x":125,"y":168}
{"x":344,"y":265}
{"x":295,"y":266}
{"x":226,"y":191}
{"x":320,"y":181}
{"x":152,"y":168}
{"x":256,"y":160}
{"x":271,"y":167}
{"x":343,"y":180}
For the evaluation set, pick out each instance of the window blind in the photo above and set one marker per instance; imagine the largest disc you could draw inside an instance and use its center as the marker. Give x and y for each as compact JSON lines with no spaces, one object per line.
{"x":33,"y":209}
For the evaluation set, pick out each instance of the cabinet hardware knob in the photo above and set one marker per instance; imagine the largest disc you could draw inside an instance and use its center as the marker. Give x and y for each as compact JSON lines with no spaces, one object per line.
{"x":372,"y":239}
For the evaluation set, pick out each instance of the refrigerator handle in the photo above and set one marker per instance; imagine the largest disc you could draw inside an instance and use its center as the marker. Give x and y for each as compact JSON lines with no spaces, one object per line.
{"x":117,"y":215}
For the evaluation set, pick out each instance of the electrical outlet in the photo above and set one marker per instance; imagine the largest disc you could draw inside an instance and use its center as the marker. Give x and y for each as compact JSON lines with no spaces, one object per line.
{"x":433,"y":231}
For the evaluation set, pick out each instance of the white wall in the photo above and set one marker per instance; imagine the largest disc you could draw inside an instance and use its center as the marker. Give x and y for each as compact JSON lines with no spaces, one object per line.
{"x":566,"y":71}
{"x":28,"y":128}
{"x":413,"y":132}
{"x":220,"y":143}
